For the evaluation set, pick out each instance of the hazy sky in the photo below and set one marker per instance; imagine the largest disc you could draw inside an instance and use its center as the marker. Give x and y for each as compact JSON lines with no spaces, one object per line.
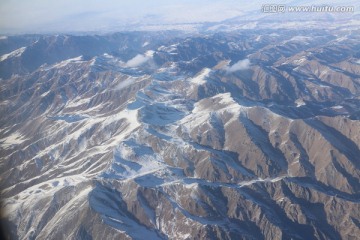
{"x":36,"y":16}
{"x":62,"y":15}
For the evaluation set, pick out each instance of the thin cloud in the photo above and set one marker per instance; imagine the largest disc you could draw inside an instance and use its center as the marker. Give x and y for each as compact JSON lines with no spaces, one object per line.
{"x":240,"y":65}
{"x":125,"y":83}
{"x":137,"y":61}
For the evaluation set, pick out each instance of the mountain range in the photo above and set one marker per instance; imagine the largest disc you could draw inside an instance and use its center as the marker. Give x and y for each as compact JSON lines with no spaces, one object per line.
{"x":237,"y":134}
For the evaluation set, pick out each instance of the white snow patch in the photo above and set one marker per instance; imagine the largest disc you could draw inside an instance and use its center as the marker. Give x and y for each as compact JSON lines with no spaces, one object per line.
{"x":300,"y":38}
{"x":15,"y":53}
{"x":145,"y":44}
{"x":129,"y":125}
{"x":6,"y":102}
{"x":130,"y":116}
{"x":274,"y":35}
{"x":272,"y":180}
{"x":300,"y":103}
{"x":14,"y":139}
{"x":300,"y":61}
{"x":200,"y":78}
{"x":45,"y":93}
{"x":67,"y":61}
{"x":226,"y":99}
{"x":108,"y":55}
{"x":169,"y":49}
{"x":78,"y":102}
{"x":26,"y":198}
{"x":337,"y":107}
{"x":324,"y":72}
{"x":149,"y":53}
{"x":322,"y":86}
{"x":3,"y":37}
{"x":341,"y":39}
{"x":223,"y":103}
{"x":223,"y":99}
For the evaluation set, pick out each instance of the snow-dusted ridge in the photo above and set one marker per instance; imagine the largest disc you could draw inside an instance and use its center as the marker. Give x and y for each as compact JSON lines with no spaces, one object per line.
{"x":13,"y":54}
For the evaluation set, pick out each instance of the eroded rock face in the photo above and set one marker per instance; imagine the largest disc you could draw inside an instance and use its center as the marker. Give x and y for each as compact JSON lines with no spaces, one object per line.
{"x":171,"y":140}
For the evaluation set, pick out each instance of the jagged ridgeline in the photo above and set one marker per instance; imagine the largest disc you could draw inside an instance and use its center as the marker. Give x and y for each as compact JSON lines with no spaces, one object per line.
{"x":240,"y":135}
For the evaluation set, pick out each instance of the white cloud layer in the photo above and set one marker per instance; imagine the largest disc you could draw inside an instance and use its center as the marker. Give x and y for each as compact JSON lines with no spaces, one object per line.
{"x":138,"y":60}
{"x":240,"y":65}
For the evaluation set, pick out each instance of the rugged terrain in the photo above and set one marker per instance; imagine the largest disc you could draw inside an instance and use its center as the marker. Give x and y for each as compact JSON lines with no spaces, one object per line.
{"x":246,"y":134}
